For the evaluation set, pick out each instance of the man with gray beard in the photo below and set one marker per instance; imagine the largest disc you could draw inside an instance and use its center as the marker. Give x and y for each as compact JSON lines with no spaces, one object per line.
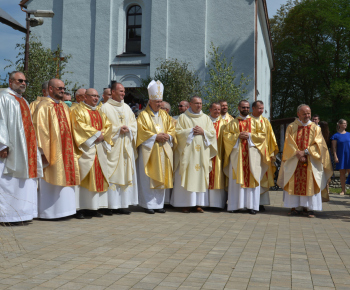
{"x":20,"y":160}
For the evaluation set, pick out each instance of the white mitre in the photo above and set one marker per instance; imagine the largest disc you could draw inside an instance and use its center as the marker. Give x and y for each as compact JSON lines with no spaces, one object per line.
{"x":155,"y":90}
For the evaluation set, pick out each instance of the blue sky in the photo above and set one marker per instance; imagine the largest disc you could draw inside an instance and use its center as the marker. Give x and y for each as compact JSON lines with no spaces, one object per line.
{"x":9,"y":37}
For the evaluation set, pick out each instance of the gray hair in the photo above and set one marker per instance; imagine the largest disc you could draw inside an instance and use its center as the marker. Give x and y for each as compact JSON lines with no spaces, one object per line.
{"x":45,"y":85}
{"x":194,"y":97}
{"x":12,"y":74}
{"x":302,"y":105}
{"x":167,"y":105}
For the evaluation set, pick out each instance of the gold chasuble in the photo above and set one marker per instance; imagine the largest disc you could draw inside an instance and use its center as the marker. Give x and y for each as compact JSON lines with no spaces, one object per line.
{"x":194,"y":155}
{"x":53,"y":130}
{"x":305,"y":179}
{"x":217,"y":176}
{"x":227,"y":118}
{"x":271,"y":150}
{"x":34,"y":104}
{"x":86,"y":122}
{"x":244,"y":169}
{"x":158,"y":161}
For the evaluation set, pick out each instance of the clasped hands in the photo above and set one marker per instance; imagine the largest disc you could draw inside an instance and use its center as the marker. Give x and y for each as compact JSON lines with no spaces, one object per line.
{"x":301,"y":156}
{"x":244,"y":135}
{"x":198,"y":131}
{"x":162,"y":137}
{"x":124,"y":129}
{"x":100,"y":139}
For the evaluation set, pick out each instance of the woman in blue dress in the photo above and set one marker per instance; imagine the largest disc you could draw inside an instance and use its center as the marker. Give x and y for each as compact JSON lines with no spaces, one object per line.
{"x":341,"y":151}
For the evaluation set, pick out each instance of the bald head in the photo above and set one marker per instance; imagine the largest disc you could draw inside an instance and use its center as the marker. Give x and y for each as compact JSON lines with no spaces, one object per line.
{"x":183,"y":106}
{"x":91,"y":97}
{"x":80,"y":95}
{"x":56,"y":89}
{"x":107,"y":94}
{"x":17,"y":82}
{"x":304,"y":113}
{"x":166,"y":107}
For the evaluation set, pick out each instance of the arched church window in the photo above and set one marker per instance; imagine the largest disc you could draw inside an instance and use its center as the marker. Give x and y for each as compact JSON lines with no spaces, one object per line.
{"x":133,"y":29}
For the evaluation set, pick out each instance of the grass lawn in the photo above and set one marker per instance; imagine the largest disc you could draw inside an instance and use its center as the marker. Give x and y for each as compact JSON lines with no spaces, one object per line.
{"x":338,"y":190}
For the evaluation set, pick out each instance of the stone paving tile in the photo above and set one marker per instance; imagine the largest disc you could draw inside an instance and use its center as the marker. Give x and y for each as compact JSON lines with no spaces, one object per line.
{"x":215,"y":250}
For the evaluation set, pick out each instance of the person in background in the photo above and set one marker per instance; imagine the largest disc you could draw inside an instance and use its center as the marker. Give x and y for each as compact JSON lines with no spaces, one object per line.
{"x":341,"y":151}
{"x":107,"y":94}
{"x":44,"y":88}
{"x":183,"y":106}
{"x":67,"y":98}
{"x":325,"y":133}
{"x":316,"y":119}
{"x":224,"y":112}
{"x":79,"y":97}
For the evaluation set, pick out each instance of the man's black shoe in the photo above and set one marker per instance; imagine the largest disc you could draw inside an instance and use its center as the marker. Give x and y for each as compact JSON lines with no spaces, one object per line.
{"x":121,"y":211}
{"x":261,"y":208}
{"x":80,"y":215}
{"x":251,"y":211}
{"x":95,"y":213}
{"x":149,"y":211}
{"x":106,"y":211}
{"x":234,"y":211}
{"x":161,"y":210}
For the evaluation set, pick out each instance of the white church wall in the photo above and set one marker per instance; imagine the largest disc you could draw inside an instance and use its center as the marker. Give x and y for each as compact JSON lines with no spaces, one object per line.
{"x":264,"y":62}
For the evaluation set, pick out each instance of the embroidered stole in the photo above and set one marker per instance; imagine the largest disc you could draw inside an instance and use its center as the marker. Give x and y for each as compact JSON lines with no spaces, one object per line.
{"x":245,"y":126}
{"x":300,"y":175}
{"x":29,"y":133}
{"x":67,"y":144}
{"x":96,"y":122}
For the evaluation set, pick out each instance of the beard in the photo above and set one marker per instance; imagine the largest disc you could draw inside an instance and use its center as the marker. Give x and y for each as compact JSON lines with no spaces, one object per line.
{"x":244,"y":113}
{"x":18,"y":89}
{"x":58,"y":97}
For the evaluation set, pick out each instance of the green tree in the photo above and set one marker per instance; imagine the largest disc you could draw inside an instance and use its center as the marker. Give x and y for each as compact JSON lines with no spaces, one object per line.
{"x":44,"y":64}
{"x":222,"y":83}
{"x":180,"y":82}
{"x":312,"y":58}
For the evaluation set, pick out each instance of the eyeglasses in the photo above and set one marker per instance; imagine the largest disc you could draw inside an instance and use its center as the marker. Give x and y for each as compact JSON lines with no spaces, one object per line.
{"x":22,"y":81}
{"x":245,"y":107}
{"x":60,"y":88}
{"x":93,"y":95}
{"x":180,"y":106}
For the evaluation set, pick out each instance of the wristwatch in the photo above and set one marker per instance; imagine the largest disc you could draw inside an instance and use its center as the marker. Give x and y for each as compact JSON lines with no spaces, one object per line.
{"x":306,"y":152}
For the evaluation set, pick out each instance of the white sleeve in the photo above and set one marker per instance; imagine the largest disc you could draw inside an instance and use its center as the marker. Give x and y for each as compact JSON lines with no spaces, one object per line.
{"x":190,"y":137}
{"x":116,"y":136}
{"x":149,"y":143}
{"x":237,"y":144}
{"x":170,"y":141}
{"x":206,"y":141}
{"x":107,"y":146}
{"x":90,"y":142}
{"x":2,"y":146}
{"x":250,"y":142}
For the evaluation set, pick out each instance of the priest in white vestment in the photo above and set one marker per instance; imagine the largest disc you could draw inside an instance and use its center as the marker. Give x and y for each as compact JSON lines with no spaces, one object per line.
{"x":197,"y":144}
{"x":271,"y":150}
{"x":245,"y":161}
{"x":217,"y":193}
{"x":20,"y":160}
{"x":92,"y":133}
{"x":306,"y":166}
{"x":155,"y":139}
{"x":122,"y":191}
{"x":52,"y":124}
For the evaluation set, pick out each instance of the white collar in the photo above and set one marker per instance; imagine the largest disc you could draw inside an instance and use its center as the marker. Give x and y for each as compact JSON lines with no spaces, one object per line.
{"x":214,"y":119}
{"x":154,"y":113}
{"x":11,"y":91}
{"x":190,"y":110}
{"x":305,"y":124}
{"x":243,"y":118}
{"x":91,"y":107}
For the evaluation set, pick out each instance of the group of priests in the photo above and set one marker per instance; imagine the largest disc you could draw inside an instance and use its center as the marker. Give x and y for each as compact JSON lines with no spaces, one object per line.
{"x":97,"y":159}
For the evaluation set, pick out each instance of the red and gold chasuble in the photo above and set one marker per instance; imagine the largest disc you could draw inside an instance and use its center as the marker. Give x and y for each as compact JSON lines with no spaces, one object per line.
{"x":96,"y":122}
{"x":212,"y":172}
{"x":29,"y":133}
{"x":245,"y":126}
{"x":300,"y":175}
{"x":67,"y":145}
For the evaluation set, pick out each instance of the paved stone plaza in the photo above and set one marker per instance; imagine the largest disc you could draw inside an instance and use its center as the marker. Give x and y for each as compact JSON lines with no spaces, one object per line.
{"x":214,"y":250}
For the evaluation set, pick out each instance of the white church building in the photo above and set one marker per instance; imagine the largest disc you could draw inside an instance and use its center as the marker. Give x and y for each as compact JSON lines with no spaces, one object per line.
{"x":123,"y":40}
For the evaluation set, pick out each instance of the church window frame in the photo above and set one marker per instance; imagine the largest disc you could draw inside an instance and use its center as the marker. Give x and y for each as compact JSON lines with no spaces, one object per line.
{"x":133,"y":29}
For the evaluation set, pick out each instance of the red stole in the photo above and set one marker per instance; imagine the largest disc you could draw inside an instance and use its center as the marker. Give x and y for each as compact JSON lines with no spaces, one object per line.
{"x":29,"y":133}
{"x":212,"y":172}
{"x":245,"y":126}
{"x":67,"y":144}
{"x":300,"y":174}
{"x":96,"y":122}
